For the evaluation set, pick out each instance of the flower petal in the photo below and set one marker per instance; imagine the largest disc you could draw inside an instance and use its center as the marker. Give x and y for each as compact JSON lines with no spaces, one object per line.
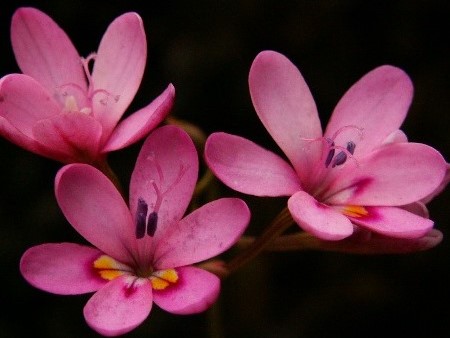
{"x":246,"y":167}
{"x":63,"y":268}
{"x":140,"y":123}
{"x":195,"y":291}
{"x":286,"y":107}
{"x":394,"y":222}
{"x":165,"y":175}
{"x":45,"y":52}
{"x":318,"y":219}
{"x":120,"y":306}
{"x":75,"y":136}
{"x":377,"y":104}
{"x":118,"y":68}
{"x":440,"y":188}
{"x":94,"y":207}
{"x":418,"y":208}
{"x":205,"y":233}
{"x":396,"y":174}
{"x":23,"y":102}
{"x":9,"y":132}
{"x":396,"y":136}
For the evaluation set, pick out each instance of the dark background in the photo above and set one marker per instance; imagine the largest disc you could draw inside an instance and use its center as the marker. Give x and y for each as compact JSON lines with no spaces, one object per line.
{"x":205,"y":48}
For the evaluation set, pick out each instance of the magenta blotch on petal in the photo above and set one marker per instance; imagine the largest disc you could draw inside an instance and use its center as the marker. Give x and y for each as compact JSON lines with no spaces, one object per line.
{"x":196,"y":291}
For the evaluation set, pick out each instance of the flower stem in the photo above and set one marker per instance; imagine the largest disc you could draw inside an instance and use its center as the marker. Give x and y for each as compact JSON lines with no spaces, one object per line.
{"x":281,"y":222}
{"x":104,"y":167}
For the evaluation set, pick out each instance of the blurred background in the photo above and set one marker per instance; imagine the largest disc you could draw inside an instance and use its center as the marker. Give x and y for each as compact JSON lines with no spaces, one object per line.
{"x":205,"y":48}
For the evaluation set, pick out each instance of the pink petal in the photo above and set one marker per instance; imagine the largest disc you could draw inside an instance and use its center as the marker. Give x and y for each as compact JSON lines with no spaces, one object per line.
{"x":140,"y":123}
{"x":118,"y":68}
{"x":94,"y":207}
{"x":120,"y":306}
{"x":418,"y":208}
{"x":396,"y":174}
{"x":317,"y":218}
{"x":75,"y":136}
{"x":246,"y":167}
{"x":286,"y":107}
{"x":23,"y":102}
{"x":205,"y":233}
{"x":394,"y":222}
{"x":195,"y":291}
{"x":164,"y":177}
{"x":440,"y":188}
{"x":44,"y":51}
{"x":63,"y":268}
{"x":396,"y":136}
{"x":12,"y":134}
{"x":377,"y":104}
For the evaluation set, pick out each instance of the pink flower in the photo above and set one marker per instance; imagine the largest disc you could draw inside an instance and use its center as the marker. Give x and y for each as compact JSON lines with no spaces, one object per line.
{"x":360,"y":171}
{"x":144,"y":253}
{"x":58,"y":108}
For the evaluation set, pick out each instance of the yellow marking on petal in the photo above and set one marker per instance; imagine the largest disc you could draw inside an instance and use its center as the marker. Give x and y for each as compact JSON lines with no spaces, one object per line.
{"x":109,"y":269}
{"x":105,"y":262}
{"x":158,"y":283}
{"x":110,"y":274}
{"x":169,"y":275}
{"x":354,"y":211}
{"x":163,"y":278}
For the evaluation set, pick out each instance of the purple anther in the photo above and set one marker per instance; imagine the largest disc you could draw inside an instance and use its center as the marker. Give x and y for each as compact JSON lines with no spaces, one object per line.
{"x":152,"y":223}
{"x":351,"y":147}
{"x":330,"y":153}
{"x":141,"y":215}
{"x":340,"y":158}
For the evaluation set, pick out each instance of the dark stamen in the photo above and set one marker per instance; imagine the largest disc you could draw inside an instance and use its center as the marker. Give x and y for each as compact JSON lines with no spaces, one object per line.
{"x":141,"y":215}
{"x":330,"y":155}
{"x":351,"y":147}
{"x":152,"y":223}
{"x":340,"y":158}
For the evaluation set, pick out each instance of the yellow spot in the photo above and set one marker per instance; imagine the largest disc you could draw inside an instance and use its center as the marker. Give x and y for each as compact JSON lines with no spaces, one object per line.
{"x":158,"y":283}
{"x":163,"y":278}
{"x":110,"y":274}
{"x":70,"y":105}
{"x":109,"y":269}
{"x":354,"y":211}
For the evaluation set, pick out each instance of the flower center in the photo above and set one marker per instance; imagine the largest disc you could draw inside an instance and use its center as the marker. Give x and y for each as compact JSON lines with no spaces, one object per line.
{"x":335,"y":152}
{"x":109,"y":269}
{"x":146,"y":223}
{"x":68,"y":90}
{"x":341,"y":157}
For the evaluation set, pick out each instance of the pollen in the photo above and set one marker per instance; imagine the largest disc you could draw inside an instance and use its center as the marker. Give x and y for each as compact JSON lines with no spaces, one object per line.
{"x":160,"y":280}
{"x":70,"y":104}
{"x":354,"y":211}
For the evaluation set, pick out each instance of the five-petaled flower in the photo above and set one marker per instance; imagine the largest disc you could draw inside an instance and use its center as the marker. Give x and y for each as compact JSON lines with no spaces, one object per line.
{"x":143,"y":253}
{"x":59,"y":108}
{"x":360,"y":172}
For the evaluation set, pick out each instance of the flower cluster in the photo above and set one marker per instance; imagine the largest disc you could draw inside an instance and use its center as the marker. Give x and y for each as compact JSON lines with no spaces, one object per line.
{"x":357,"y":187}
